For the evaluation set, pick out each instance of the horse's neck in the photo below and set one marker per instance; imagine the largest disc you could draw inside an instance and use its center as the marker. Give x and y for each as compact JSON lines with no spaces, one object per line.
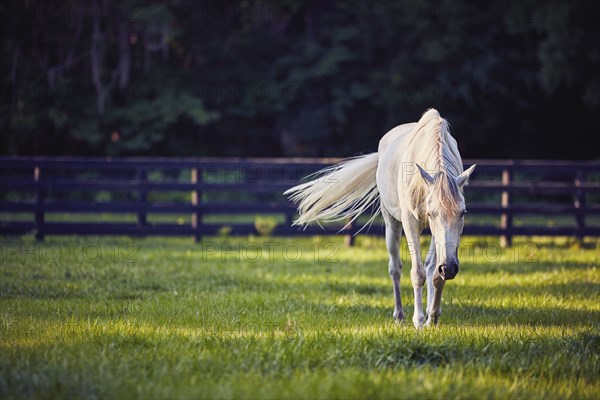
{"x":433,"y":152}
{"x":443,"y":154}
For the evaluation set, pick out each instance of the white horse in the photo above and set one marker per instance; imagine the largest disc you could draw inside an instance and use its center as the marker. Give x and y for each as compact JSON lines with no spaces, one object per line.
{"x":415,"y":180}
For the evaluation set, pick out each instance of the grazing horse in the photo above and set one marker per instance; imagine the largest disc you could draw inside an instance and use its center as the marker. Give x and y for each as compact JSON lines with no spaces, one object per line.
{"x":415,"y":180}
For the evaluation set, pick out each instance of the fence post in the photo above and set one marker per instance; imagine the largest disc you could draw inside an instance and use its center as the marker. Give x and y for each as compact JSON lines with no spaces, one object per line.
{"x":142,"y":199}
{"x":40,"y":196}
{"x":289,"y":218}
{"x":506,"y":216}
{"x":349,"y":239}
{"x":196,"y":202}
{"x":579,"y":205}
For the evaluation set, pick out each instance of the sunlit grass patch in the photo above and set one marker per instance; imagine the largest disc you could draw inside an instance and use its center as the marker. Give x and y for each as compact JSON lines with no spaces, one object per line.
{"x":287,"y":318}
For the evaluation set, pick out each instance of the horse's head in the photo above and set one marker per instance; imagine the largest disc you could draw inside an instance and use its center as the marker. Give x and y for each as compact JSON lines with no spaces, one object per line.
{"x":445,"y":210}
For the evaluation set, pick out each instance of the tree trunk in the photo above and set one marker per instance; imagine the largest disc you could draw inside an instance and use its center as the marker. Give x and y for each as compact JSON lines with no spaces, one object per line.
{"x":96,"y":64}
{"x":124,"y":56}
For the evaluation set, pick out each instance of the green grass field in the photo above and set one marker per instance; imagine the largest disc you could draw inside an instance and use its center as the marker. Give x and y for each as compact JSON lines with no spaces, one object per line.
{"x":285,"y":318}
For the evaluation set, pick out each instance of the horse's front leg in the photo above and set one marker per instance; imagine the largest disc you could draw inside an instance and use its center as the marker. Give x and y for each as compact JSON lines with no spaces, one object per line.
{"x":412,"y":231}
{"x":435,"y":285}
{"x":429,"y":270}
{"x":435,"y":309}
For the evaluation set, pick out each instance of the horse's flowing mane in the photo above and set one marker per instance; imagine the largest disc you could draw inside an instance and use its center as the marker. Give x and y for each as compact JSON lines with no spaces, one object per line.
{"x":344,"y":191}
{"x":435,"y":150}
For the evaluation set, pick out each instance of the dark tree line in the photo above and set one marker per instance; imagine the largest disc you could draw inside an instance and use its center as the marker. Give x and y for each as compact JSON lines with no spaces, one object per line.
{"x":296,"y":77}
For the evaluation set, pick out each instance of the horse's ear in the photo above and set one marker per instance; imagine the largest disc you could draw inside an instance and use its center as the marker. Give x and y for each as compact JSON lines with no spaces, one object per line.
{"x":463,"y":178}
{"x":426,"y":177}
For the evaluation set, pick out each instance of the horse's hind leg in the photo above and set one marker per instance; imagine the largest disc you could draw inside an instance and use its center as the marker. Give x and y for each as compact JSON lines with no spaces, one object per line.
{"x":393,"y":230}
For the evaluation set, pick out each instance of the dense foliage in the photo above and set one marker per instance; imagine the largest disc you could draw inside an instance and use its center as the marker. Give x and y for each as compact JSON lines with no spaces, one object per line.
{"x":296,"y":77}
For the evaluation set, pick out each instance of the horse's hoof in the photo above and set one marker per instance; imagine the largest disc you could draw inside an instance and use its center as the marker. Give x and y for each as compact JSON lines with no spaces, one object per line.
{"x":418,"y":323}
{"x":398,"y":316}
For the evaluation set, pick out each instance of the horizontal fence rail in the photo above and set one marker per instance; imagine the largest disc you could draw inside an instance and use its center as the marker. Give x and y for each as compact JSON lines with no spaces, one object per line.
{"x":37,"y":192}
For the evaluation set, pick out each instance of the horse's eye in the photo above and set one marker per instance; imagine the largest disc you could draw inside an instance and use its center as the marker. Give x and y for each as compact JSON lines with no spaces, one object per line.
{"x":462,"y":214}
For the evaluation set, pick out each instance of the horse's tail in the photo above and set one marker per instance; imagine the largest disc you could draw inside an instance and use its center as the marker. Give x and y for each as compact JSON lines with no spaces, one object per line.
{"x":338,"y":193}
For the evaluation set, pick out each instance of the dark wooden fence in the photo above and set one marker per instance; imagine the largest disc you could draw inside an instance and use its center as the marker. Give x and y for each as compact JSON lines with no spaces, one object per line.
{"x":32,"y":189}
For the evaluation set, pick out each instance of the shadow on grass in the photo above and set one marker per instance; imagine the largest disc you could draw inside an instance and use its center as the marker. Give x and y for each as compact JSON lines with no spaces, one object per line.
{"x":479,"y":315}
{"x":578,"y":289}
{"x":523,"y":267}
{"x":542,"y":317}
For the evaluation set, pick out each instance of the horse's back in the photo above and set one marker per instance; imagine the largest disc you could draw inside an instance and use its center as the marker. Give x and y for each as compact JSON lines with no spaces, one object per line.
{"x":389,"y":166}
{"x":394,"y":134}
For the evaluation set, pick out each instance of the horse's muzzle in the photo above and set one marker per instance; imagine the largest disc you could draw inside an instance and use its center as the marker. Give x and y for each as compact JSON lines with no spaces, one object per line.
{"x":448,"y":271}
